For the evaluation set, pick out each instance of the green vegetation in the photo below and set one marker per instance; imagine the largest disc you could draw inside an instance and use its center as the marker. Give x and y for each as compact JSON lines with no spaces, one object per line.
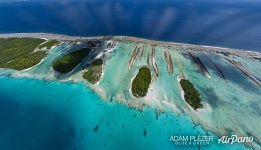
{"x":69,"y":61}
{"x":18,"y":53}
{"x":93,"y":74}
{"x":141,"y":82}
{"x":27,"y":61}
{"x":192,"y":96}
{"x":48,"y":44}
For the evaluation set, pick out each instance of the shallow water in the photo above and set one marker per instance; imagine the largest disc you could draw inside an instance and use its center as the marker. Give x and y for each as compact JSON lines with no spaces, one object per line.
{"x":230,"y":106}
{"x":38,"y":114}
{"x":80,"y":118}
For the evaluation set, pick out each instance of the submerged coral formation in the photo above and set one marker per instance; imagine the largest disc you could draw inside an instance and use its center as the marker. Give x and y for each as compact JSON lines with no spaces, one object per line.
{"x":228,"y":80}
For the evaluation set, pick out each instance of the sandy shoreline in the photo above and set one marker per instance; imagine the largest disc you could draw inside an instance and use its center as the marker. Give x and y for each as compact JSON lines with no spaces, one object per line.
{"x":151,"y":98}
{"x":241,"y":52}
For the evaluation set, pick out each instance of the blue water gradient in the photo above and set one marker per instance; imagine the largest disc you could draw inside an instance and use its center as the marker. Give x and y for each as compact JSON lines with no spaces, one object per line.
{"x":235,"y":24}
{"x":41,"y":115}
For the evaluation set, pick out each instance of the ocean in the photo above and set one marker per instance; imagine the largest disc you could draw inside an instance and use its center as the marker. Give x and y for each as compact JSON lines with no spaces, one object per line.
{"x":40,"y":115}
{"x":48,"y":115}
{"x":233,"y":24}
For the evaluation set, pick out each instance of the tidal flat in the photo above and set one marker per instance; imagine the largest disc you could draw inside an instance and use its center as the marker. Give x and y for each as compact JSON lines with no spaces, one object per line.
{"x":230,"y":98}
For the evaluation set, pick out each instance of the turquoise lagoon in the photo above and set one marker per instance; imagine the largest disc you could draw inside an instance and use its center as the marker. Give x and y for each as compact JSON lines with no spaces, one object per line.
{"x":39,"y":114}
{"x":39,"y":111}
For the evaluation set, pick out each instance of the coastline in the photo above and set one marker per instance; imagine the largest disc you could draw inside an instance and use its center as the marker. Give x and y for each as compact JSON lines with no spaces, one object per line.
{"x":133,"y":40}
{"x":216,"y":49}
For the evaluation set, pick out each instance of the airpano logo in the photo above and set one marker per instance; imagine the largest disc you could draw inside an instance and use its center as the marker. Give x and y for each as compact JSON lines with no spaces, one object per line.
{"x":235,"y":139}
{"x":191,"y":140}
{"x":206,"y":140}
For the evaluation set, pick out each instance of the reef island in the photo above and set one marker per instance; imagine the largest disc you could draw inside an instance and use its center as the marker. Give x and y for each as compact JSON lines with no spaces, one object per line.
{"x":218,"y":88}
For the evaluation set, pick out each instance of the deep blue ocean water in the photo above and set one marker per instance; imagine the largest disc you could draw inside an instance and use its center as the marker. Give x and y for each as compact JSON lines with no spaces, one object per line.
{"x":232,"y":23}
{"x":45,"y":115}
